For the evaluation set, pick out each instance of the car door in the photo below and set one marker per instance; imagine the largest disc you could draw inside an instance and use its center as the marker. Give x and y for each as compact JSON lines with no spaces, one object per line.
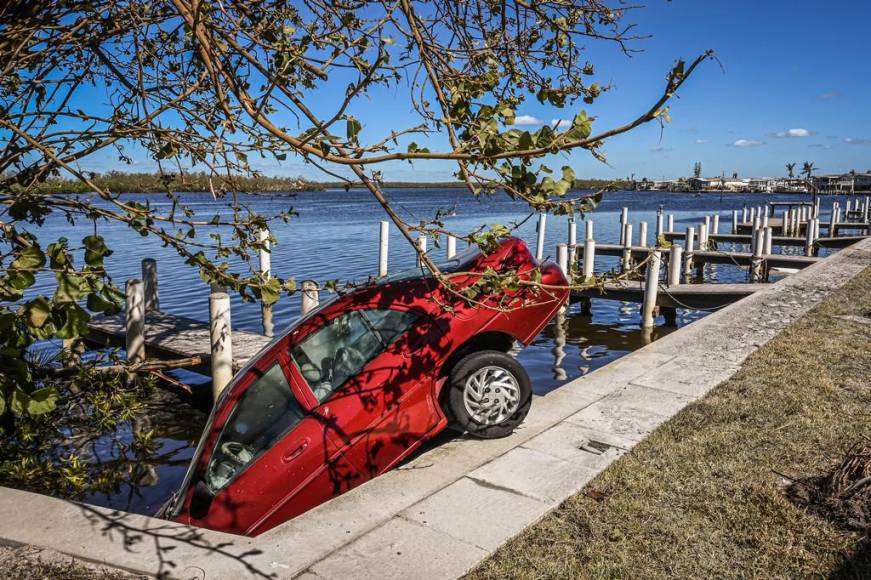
{"x":381,"y":407}
{"x":272,"y":458}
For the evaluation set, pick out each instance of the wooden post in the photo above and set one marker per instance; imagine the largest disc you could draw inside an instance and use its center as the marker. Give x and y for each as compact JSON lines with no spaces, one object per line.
{"x":690,"y":241}
{"x":659,"y":230}
{"x":383,"y":242}
{"x":752,"y":213}
{"x":767,"y":243}
{"x":421,"y":246}
{"x":744,"y":215}
{"x":703,"y":236}
{"x":310,"y":297}
{"x":715,"y":228}
{"x":589,"y":258}
{"x":624,"y":220}
{"x":756,"y":260}
{"x":764,"y":220}
{"x":809,"y":238}
{"x":734,"y":221}
{"x":816,"y":232}
{"x":651,"y":285}
{"x":642,"y":234}
{"x":626,"y":262}
{"x":573,"y":242}
{"x":451,"y":247}
{"x":562,"y":258}
{"x":674,"y":265}
{"x":833,"y":220}
{"x":539,"y":247}
{"x":135,"y":323}
{"x":671,"y":222}
{"x":784,"y":228}
{"x":588,"y":230}
{"x":149,"y":278}
{"x":266,"y":270}
{"x":220,"y":339}
{"x":707,"y":226}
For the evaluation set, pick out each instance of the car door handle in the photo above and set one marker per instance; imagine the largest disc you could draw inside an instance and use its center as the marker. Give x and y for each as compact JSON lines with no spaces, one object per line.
{"x":296,"y":451}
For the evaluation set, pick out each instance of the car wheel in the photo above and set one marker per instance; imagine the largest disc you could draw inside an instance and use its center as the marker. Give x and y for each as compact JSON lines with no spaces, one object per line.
{"x":489,"y":394}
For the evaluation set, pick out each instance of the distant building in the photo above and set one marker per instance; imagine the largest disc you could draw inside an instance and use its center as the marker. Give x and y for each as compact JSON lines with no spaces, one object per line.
{"x":851,"y":182}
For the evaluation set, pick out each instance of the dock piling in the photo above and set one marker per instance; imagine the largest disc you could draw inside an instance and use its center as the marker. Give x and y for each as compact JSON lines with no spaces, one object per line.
{"x":624,"y":221}
{"x":756,"y":260}
{"x":767,"y":243}
{"x":265,"y":256}
{"x":674,"y":265}
{"x":573,"y":242}
{"x":562,"y":258}
{"x":588,"y":230}
{"x":220,"y":339}
{"x":626,"y":262}
{"x":135,"y":323}
{"x":651,"y":285}
{"x":659,"y":230}
{"x":539,"y":246}
{"x":689,"y":240}
{"x":642,"y":234}
{"x":671,"y":222}
{"x":715,"y":227}
{"x":451,"y":247}
{"x":310,"y":296}
{"x":589,"y":258}
{"x":735,"y":221}
{"x":383,"y":242}
{"x":421,"y":246}
{"x":809,"y":238}
{"x":149,"y":278}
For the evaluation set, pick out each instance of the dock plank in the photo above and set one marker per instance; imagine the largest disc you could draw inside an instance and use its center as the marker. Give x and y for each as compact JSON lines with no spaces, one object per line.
{"x":171,"y":336}
{"x":696,"y":296}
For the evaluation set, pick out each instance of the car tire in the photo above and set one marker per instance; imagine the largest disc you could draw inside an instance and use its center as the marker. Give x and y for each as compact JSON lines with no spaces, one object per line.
{"x":489,"y":394}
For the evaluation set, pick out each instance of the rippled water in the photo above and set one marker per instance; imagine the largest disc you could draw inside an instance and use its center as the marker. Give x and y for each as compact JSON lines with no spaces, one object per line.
{"x":335,"y":236}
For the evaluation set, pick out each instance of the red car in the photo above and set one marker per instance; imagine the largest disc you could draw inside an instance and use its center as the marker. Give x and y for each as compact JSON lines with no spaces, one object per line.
{"x":349,"y":391}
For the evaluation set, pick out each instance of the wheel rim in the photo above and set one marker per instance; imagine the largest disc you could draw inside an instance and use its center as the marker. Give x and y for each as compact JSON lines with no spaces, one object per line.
{"x":491,"y":395}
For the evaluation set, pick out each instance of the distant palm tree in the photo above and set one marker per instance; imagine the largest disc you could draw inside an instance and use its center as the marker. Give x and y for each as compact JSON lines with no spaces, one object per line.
{"x":808,"y":169}
{"x":790,"y":167}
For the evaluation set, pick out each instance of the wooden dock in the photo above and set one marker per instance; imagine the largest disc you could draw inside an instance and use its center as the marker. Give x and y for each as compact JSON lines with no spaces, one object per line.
{"x":713,"y":256}
{"x":695,"y":296}
{"x":172,"y":337}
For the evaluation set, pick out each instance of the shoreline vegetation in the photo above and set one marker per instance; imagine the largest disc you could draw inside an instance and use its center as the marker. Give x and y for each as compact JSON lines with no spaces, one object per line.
{"x":118,"y":182}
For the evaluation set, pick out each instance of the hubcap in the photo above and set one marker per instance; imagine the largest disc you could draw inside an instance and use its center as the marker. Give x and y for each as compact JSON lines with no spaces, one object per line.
{"x":491,"y":395}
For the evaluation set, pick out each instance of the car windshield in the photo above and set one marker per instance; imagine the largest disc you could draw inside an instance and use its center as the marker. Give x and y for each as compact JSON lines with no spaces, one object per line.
{"x":264,"y":413}
{"x":339,"y":350}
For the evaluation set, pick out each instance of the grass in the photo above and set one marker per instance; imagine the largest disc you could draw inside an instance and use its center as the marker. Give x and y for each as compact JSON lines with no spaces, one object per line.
{"x":29,"y":563}
{"x":704,"y":495}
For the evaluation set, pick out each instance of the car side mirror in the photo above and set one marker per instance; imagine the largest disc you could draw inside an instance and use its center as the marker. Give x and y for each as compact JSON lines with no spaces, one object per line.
{"x":201,"y":500}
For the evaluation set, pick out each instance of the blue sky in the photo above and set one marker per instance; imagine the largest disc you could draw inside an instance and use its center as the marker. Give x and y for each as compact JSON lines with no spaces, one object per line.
{"x":791,"y":84}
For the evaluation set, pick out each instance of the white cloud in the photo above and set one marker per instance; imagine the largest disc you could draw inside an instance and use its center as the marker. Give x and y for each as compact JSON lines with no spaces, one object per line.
{"x":856,"y":141}
{"x":798,"y":132}
{"x":746,"y":143}
{"x":701,"y":141}
{"x":527,"y":120}
{"x":561,"y":123}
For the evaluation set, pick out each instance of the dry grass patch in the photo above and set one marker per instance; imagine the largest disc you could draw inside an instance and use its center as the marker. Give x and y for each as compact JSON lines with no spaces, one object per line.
{"x":705,"y":494}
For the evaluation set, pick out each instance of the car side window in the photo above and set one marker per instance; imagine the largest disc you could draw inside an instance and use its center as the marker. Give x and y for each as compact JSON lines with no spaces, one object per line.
{"x":334,"y":353}
{"x":264,"y":413}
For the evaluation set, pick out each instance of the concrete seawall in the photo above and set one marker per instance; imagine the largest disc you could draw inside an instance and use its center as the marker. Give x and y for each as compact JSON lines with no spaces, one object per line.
{"x":440,"y":514}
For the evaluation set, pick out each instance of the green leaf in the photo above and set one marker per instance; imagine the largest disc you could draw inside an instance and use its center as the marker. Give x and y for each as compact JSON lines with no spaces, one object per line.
{"x":29,"y":259}
{"x":2,"y":404}
{"x":42,"y":401}
{"x":95,"y":250}
{"x":71,"y":287}
{"x":568,"y":174}
{"x":37,"y":312}
{"x":270,"y":291}
{"x":70,"y":319}
{"x":353,"y":129}
{"x":19,"y":402}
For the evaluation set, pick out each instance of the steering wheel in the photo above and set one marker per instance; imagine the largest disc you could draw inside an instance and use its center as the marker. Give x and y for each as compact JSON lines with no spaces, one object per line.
{"x":348,"y":360}
{"x":237,"y":452}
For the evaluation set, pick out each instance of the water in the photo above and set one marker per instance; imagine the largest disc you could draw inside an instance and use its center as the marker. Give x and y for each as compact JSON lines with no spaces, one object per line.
{"x":335,"y":236}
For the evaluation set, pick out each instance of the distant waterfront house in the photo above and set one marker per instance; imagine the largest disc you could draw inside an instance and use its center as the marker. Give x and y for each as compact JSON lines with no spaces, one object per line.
{"x":851,"y":182}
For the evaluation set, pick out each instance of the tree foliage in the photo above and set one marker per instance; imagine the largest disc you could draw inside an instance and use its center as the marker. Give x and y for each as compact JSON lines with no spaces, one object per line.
{"x":208,"y":86}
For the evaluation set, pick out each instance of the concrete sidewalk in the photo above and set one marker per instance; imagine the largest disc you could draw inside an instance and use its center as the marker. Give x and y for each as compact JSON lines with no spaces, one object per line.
{"x":440,"y":514}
